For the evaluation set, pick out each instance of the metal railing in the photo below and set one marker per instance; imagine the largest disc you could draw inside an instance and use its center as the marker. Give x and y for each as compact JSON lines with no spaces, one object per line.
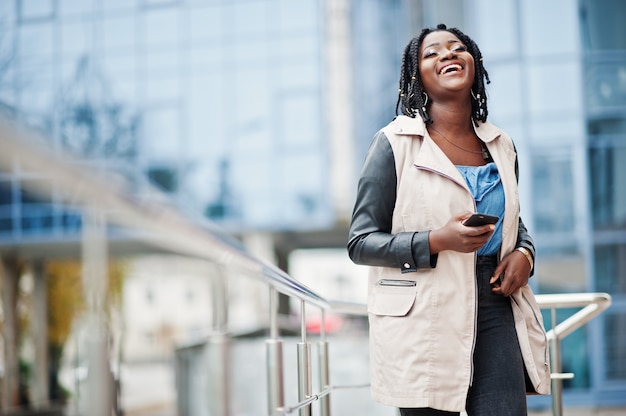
{"x":592,"y":305}
{"x":306,"y":396}
{"x":165,"y":227}
{"x":105,"y":202}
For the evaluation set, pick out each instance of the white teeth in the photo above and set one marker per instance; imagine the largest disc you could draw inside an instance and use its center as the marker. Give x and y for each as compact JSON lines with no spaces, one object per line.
{"x":450,"y":68}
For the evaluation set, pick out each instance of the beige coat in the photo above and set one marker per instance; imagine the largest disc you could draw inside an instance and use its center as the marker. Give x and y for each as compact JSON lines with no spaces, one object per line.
{"x":422,"y":336}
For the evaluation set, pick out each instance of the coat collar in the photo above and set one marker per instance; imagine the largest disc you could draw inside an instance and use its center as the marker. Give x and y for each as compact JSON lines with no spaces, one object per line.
{"x":409,"y":126}
{"x":431,"y":156}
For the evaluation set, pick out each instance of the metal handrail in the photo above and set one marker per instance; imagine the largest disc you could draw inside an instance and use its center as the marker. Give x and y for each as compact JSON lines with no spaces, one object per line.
{"x":161,"y":225}
{"x":592,"y":305}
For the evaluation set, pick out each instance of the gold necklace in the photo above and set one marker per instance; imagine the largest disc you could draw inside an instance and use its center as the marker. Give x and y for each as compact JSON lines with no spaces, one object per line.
{"x":484,"y":152}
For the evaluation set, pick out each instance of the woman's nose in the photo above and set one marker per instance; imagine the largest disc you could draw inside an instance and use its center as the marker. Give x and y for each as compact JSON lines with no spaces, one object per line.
{"x":447,"y":54}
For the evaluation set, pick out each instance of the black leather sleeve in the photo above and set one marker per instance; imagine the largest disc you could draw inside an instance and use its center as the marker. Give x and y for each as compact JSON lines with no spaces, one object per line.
{"x":370,"y":240}
{"x":523,"y":237}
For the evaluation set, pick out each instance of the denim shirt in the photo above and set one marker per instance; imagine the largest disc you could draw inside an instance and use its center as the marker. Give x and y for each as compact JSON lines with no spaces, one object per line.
{"x":486,"y":188}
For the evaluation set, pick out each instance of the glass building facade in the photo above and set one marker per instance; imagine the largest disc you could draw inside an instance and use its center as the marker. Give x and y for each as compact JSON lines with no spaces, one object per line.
{"x":604,"y":40}
{"x":217,"y":103}
{"x":224,"y":106}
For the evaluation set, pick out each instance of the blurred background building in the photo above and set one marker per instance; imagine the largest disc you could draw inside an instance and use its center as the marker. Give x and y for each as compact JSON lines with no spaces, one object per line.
{"x":256,"y":115}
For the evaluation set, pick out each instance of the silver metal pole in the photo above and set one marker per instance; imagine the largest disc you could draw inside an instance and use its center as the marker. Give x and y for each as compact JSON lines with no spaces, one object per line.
{"x":95,"y":276}
{"x":219,"y":345}
{"x":324,"y":372}
{"x":555,"y":364}
{"x":219,"y":366}
{"x":304,"y":365}
{"x":274,"y":360}
{"x":324,"y":378}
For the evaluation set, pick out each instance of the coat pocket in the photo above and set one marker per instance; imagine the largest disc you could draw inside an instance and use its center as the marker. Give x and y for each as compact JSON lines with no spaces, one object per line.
{"x":392,"y":297}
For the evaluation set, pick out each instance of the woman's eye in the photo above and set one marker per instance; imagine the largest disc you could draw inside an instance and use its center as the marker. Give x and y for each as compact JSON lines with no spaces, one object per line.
{"x":460,"y":48}
{"x":428,"y":54}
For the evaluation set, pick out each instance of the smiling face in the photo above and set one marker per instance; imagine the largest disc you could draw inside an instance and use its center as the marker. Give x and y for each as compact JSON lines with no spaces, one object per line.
{"x":445,"y":65}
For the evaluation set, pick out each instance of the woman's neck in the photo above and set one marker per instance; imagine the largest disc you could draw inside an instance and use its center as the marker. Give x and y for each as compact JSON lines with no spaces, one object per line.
{"x":455,"y":119}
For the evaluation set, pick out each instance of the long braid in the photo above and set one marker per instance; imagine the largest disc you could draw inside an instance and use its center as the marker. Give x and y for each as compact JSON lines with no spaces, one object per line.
{"x":411,"y":97}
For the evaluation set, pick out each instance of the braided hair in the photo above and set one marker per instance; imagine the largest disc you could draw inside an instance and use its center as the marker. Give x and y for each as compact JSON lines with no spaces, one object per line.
{"x":411,"y":96}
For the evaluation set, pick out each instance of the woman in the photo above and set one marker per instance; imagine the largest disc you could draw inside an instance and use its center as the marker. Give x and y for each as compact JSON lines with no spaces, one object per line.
{"x":453,"y":323}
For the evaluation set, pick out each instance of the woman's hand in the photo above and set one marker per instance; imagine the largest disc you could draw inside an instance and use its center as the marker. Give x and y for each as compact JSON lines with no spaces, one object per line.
{"x":458,"y":237}
{"x":512,"y":273}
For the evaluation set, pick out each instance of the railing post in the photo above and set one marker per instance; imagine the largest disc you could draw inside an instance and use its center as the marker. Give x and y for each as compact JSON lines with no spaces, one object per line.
{"x":218,"y":357}
{"x":95,"y":275}
{"x":555,"y":365}
{"x":324,"y":368}
{"x":274,"y":360}
{"x":219,"y":349}
{"x":304,"y":365}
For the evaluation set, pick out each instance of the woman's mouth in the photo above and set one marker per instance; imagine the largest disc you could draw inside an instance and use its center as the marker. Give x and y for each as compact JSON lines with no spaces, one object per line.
{"x":450,"y":68}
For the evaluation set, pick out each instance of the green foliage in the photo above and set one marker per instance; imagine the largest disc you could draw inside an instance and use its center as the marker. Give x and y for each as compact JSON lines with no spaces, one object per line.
{"x":65,"y":296}
{"x":65,"y":299}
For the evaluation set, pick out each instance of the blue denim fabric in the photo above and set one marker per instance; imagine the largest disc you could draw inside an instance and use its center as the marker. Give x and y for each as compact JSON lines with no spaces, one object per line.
{"x":499,"y":387}
{"x":486,"y":187}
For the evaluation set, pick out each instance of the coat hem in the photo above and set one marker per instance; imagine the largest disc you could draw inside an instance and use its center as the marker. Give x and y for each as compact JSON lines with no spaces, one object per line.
{"x":446,"y":404}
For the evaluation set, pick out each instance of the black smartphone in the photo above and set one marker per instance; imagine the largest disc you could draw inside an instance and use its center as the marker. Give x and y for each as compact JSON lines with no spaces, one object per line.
{"x":480,"y":219}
